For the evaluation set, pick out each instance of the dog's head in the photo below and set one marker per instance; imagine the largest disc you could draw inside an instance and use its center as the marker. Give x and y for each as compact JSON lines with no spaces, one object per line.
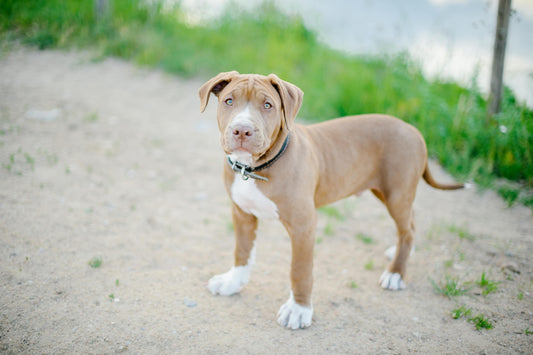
{"x":252,"y":111}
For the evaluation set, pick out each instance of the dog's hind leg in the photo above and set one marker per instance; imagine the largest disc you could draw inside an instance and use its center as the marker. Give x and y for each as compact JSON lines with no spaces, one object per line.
{"x":400,"y":209}
{"x":233,"y":281}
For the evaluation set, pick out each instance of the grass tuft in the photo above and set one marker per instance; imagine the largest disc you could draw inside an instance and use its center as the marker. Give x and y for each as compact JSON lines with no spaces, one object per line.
{"x":451,"y":287}
{"x":366,"y":239}
{"x":462,"y":232}
{"x":461,"y":312}
{"x":369,"y":265}
{"x":95,"y":262}
{"x":487,"y":285}
{"x":481,"y":322}
{"x":331,"y":212}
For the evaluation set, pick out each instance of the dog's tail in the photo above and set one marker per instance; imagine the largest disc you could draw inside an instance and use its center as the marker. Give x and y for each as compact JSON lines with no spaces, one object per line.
{"x":431,"y":181}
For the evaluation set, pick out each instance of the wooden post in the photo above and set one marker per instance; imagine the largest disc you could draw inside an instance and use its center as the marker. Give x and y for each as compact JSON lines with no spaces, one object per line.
{"x":101,"y":9}
{"x":500,"y":41}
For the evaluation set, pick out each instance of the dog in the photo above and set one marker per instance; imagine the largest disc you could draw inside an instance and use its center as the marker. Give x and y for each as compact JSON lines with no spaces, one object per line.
{"x":281,"y":170}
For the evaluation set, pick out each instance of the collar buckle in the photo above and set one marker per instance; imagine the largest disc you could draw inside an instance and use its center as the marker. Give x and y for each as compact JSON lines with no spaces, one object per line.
{"x":246,"y":171}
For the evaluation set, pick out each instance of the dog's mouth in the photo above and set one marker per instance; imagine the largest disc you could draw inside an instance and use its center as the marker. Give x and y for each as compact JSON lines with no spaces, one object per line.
{"x":242,"y":156}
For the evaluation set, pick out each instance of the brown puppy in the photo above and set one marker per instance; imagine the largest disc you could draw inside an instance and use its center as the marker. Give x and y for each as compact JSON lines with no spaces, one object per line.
{"x":278,"y":169}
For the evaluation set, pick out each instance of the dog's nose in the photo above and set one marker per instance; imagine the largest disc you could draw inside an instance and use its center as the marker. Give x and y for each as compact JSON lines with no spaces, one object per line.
{"x":242,"y":131}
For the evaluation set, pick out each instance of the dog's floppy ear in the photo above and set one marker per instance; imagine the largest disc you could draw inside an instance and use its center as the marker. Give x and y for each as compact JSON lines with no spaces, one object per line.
{"x":291,"y":97}
{"x":214,"y":85}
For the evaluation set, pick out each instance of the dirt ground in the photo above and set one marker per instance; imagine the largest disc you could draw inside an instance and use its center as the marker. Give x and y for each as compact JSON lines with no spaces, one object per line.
{"x":101,"y":159}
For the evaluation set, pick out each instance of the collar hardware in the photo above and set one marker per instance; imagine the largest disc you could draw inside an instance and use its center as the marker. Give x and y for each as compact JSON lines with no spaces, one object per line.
{"x":247,"y":171}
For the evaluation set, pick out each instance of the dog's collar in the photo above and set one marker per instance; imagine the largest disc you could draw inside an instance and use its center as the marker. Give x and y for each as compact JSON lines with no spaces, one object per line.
{"x":247,"y":171}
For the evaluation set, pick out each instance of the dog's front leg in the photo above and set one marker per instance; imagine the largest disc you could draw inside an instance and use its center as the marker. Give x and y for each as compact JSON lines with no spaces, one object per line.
{"x":297,"y":312}
{"x":232,"y":282}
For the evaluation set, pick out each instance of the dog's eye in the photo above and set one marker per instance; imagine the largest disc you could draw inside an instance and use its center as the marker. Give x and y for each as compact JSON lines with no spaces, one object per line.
{"x":229,"y":102}
{"x":267,"y":105}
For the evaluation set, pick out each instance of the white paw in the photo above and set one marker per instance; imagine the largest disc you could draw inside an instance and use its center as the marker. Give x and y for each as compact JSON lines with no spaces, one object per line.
{"x":294,"y":316}
{"x":230,"y":282}
{"x":390,"y":253}
{"x":391,"y":281}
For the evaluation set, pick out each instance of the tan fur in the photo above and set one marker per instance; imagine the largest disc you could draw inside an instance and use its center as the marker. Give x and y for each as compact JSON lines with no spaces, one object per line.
{"x":323,"y":163}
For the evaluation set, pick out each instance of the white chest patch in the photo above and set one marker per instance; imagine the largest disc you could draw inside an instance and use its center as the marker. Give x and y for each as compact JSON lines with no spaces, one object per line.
{"x":251,"y":200}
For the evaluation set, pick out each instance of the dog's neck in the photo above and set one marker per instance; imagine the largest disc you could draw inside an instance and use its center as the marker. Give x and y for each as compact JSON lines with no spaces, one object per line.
{"x":279,"y":145}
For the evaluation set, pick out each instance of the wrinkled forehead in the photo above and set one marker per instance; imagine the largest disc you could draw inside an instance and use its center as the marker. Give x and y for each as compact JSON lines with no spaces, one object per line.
{"x":252,"y":87}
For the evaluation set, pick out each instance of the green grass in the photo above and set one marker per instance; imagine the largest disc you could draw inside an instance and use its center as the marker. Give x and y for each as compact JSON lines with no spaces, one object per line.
{"x":487,"y":285}
{"x":329,"y":229}
{"x":369,"y":265}
{"x":451,"y":287}
{"x":461,"y":312}
{"x":366,"y":239}
{"x":481,"y":322}
{"x":352,"y":284}
{"x":95,"y":262}
{"x":462,"y":233}
{"x":451,"y":117}
{"x":331,"y":212}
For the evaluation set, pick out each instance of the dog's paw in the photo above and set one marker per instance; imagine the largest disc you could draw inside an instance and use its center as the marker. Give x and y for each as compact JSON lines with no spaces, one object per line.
{"x":391,"y":281}
{"x":230,"y":282}
{"x":294,"y":316}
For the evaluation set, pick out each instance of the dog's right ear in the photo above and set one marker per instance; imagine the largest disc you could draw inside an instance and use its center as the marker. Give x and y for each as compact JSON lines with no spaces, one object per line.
{"x":215,"y":85}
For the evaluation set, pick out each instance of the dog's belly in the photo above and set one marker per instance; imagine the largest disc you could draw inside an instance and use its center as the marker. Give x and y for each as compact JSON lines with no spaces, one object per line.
{"x":251,"y":200}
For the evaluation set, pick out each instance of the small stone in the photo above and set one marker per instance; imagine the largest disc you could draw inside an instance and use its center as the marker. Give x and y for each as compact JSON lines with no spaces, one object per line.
{"x":511,"y":266}
{"x":190,"y":302}
{"x":43,"y":115}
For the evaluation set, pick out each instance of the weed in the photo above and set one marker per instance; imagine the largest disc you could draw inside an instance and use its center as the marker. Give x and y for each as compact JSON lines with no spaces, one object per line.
{"x":365,"y":238}
{"x":230,"y":227}
{"x":528,"y":332}
{"x":331,"y":212}
{"x":319,"y":240}
{"x":450,"y":288}
{"x":462,"y":232}
{"x":30,"y":160}
{"x":461,"y":312}
{"x":369,"y":265}
{"x":481,"y":322}
{"x":52,"y":159}
{"x":117,"y":282}
{"x":111,"y":297}
{"x":92,"y":117}
{"x":435,"y":231}
{"x":520,"y":295}
{"x":487,"y":285}
{"x":95,"y":262}
{"x":352,"y":284}
{"x":329,"y":229}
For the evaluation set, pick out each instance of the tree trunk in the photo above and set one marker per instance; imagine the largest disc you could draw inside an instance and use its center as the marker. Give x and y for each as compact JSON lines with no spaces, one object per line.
{"x":500,"y":41}
{"x":101,"y":9}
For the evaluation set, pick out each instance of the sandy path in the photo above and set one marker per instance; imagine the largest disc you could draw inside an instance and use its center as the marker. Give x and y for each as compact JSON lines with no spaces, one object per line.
{"x":105,"y":159}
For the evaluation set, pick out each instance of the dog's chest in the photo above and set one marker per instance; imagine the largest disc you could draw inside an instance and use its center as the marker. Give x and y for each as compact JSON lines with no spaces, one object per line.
{"x":251,"y":200}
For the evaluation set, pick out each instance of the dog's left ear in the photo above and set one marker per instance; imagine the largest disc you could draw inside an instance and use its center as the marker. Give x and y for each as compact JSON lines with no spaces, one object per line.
{"x":215,"y":85}
{"x":291,"y":98}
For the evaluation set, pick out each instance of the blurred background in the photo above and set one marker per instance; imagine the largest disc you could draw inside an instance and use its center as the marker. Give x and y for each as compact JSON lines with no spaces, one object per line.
{"x":427,"y":62}
{"x":450,"y":39}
